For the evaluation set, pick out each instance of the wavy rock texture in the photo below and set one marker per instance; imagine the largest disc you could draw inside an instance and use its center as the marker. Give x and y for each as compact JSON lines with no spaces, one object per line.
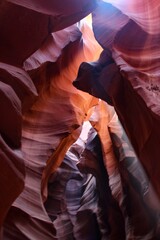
{"x":47,"y":135}
{"x":129,"y":62}
{"x":69,"y":168}
{"x":59,"y":15}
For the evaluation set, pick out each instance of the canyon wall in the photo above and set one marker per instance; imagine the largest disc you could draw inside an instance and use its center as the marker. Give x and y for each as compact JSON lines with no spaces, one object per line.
{"x":79,"y":125}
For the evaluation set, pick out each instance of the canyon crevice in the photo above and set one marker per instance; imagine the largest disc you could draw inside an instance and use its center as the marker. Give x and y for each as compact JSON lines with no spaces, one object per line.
{"x":80,"y":120}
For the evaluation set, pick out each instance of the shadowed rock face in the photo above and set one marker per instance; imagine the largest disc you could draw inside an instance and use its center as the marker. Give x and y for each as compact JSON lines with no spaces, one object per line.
{"x":128,"y":83}
{"x":69,"y":168}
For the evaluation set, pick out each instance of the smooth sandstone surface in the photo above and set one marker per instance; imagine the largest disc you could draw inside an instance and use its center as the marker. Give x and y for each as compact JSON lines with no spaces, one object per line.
{"x":79,"y":123}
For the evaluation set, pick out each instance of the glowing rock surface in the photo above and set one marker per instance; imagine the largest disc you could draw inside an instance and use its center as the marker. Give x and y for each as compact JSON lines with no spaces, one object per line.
{"x":72,"y":166}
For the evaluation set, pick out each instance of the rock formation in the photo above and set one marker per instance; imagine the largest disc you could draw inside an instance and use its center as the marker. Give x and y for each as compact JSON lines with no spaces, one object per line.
{"x":79,"y":125}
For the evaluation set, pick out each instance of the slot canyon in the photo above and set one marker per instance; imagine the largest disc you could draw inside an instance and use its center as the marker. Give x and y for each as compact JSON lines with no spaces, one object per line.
{"x":80,"y":120}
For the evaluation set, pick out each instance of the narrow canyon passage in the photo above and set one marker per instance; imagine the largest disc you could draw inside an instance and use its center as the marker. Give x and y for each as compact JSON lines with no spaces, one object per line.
{"x":80,"y":120}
